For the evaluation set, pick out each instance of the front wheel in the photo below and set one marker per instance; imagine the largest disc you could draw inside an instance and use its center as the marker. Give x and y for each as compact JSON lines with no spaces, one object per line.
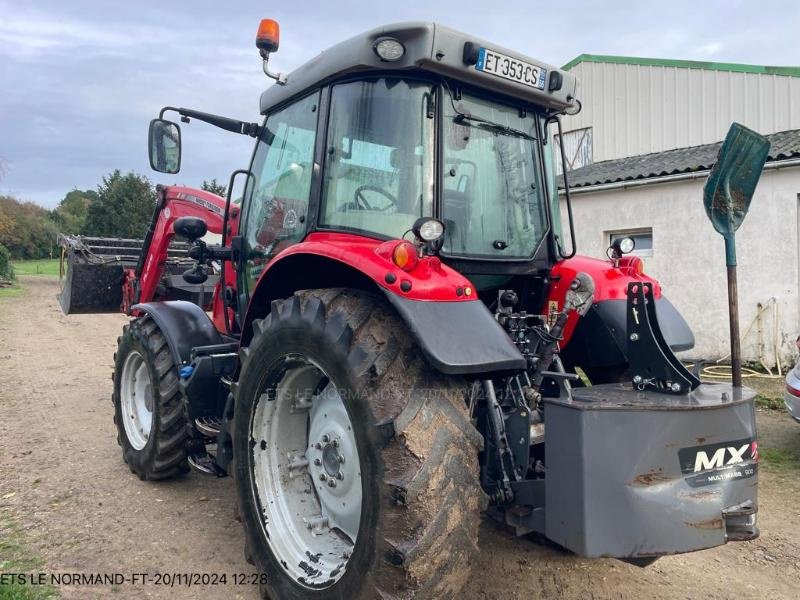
{"x":356,"y":463}
{"x":148,"y":407}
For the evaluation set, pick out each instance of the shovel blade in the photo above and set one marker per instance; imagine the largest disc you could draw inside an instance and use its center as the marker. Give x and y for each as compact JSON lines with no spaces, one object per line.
{"x":733,"y":179}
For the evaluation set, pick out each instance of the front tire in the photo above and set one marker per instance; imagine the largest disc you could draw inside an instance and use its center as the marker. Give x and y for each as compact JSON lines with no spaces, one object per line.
{"x":413,"y":442}
{"x":148,"y":407}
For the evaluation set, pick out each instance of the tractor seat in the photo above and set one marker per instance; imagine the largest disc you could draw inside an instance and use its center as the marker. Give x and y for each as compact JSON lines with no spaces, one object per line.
{"x":456,"y":218}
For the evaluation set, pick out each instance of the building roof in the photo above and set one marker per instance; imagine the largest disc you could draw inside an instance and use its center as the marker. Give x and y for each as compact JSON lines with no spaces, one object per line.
{"x":784,"y":145}
{"x":685,"y":64}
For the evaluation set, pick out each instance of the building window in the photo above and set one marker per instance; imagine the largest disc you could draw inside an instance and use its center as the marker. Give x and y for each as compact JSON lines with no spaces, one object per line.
{"x":577,"y":149}
{"x":643,"y":239}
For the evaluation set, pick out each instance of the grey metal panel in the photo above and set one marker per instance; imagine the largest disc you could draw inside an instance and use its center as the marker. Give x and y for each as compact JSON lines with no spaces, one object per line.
{"x":638,"y":109}
{"x":429,"y":46}
{"x":614,"y":480}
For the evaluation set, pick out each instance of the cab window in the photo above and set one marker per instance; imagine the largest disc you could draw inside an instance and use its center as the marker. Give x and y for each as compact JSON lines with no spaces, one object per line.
{"x":378,"y":174}
{"x":279,"y":191}
{"x":493,"y":204}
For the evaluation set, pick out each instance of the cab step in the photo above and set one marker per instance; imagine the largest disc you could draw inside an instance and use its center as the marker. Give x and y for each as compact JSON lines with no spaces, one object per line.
{"x":208,"y":426}
{"x":206,"y":465}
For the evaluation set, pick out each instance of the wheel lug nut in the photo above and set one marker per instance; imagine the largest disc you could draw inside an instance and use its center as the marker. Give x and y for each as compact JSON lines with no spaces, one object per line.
{"x":332,"y":483}
{"x":318,"y":446}
{"x":325,"y":439}
{"x":335,"y":443}
{"x":341,"y":459}
{"x":322,"y":477}
{"x":339,"y":476}
{"x":317,"y":462}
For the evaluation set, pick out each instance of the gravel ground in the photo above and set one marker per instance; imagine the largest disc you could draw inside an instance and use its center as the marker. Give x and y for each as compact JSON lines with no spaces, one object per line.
{"x":64,"y":485}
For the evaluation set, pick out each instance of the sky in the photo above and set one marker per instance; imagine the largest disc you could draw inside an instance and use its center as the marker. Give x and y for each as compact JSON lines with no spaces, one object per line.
{"x":80,"y":80}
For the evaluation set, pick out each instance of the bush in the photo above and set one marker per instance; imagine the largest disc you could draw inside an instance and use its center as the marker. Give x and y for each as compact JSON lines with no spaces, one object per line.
{"x":6,"y":270}
{"x":26,"y":229}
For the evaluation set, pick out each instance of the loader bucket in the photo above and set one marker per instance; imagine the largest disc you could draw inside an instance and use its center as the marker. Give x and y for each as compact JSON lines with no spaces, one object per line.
{"x":93,"y":271}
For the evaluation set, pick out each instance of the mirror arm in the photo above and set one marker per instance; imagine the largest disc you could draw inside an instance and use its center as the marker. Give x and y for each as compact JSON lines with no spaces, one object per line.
{"x":232,"y":125}
{"x":554,"y":118}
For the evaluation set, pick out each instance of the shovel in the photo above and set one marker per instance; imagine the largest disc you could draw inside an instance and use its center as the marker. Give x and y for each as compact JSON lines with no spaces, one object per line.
{"x":726,"y":196}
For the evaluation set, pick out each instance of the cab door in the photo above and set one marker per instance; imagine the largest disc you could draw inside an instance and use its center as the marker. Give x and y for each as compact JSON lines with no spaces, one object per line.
{"x":276,"y":198}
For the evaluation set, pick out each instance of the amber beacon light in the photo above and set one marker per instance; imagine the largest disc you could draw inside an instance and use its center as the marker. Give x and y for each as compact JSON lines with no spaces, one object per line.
{"x":268,"y":36}
{"x":267,"y":40}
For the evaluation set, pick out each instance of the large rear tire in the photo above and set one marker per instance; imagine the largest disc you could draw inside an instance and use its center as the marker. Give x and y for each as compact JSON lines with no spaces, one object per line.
{"x":148,"y":407}
{"x":344,"y":359}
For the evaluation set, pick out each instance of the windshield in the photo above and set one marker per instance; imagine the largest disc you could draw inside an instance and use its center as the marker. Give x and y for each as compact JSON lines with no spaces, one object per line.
{"x":493,"y":202}
{"x":379,"y":164}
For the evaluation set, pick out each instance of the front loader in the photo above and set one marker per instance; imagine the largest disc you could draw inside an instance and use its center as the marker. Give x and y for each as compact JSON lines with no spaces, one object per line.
{"x":395,"y":329}
{"x":112,"y":274}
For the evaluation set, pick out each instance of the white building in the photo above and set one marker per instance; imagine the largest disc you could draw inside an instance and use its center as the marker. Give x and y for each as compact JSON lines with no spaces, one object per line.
{"x":638,"y":155}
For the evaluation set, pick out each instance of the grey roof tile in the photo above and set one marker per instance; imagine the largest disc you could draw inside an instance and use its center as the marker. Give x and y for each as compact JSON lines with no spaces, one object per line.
{"x":784,"y":145}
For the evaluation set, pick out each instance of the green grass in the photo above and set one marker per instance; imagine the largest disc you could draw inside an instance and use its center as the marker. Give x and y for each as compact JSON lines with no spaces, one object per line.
{"x":11,"y":291}
{"x":26,"y":592}
{"x":769,"y":402}
{"x":780,"y":458}
{"x":15,"y":557}
{"x":45,"y":266}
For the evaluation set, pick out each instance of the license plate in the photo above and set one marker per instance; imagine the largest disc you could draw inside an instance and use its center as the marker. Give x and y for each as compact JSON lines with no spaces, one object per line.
{"x":501,"y":65}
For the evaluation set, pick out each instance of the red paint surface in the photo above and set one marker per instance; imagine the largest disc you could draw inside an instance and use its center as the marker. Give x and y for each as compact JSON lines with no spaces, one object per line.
{"x":611,"y":283}
{"x":430,"y":280}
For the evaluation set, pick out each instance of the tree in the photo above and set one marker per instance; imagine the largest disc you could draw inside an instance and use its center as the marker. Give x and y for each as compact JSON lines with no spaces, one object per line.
{"x":70,"y":215}
{"x":26,"y":229}
{"x":214,"y":187}
{"x":123,"y":206}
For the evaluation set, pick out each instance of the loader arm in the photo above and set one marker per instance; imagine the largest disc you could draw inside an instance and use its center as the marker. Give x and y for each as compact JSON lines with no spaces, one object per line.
{"x":141,"y":284}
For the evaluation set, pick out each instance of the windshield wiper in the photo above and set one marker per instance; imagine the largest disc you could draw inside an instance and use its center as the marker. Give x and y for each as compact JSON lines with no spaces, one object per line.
{"x":492,"y":126}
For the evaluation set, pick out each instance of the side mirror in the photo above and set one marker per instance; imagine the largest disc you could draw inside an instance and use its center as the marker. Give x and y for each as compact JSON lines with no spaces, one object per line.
{"x":191,"y":228}
{"x":164,"y":146}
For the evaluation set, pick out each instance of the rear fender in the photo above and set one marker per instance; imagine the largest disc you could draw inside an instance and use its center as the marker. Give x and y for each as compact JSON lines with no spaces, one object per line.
{"x":439,"y":306}
{"x":184,"y":324}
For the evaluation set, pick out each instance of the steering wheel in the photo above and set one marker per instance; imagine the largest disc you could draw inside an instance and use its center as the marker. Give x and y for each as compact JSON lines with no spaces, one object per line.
{"x":361,"y":201}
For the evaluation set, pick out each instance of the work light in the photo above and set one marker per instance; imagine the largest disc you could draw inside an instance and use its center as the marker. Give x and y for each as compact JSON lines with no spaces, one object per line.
{"x":389,"y":49}
{"x":626,"y":245}
{"x":428,"y":230}
{"x":622,"y":245}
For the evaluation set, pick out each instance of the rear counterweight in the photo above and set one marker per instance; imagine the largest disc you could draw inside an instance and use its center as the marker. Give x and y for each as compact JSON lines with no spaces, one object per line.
{"x":638,"y":474}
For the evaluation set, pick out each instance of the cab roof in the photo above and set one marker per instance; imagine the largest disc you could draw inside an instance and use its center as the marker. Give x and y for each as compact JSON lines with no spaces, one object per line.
{"x":428,"y":47}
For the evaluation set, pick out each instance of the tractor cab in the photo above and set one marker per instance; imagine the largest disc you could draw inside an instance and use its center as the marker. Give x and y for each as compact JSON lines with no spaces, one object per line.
{"x":422,"y":121}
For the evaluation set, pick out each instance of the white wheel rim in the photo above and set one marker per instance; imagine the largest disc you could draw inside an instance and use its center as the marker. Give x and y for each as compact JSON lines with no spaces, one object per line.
{"x":136,"y":399}
{"x":307,"y":475}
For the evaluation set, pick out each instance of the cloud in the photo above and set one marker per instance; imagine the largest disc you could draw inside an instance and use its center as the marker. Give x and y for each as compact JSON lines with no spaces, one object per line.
{"x":710,"y":49}
{"x":33,"y":33}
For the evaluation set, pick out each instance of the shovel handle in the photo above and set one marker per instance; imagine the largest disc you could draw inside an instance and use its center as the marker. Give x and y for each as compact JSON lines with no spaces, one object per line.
{"x":730,"y":250}
{"x":733,"y":308}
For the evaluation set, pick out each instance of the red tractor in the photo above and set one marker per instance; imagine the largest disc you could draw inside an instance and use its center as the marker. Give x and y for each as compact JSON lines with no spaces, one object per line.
{"x":394,"y":331}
